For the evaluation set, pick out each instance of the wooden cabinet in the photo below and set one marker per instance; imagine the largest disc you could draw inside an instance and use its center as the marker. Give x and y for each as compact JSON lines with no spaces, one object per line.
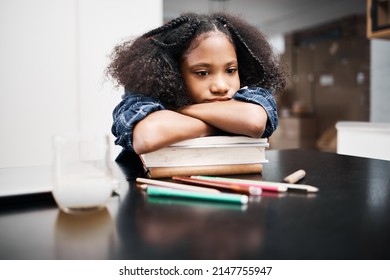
{"x":295,"y":132}
{"x":378,"y":19}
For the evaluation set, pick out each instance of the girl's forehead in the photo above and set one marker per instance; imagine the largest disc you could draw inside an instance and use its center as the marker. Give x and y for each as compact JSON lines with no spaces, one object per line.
{"x":214,"y":33}
{"x":200,"y":38}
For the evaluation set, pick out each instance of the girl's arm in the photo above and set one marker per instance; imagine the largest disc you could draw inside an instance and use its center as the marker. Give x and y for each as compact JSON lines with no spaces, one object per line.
{"x":165,"y":127}
{"x":142,"y":124}
{"x":231,"y":116}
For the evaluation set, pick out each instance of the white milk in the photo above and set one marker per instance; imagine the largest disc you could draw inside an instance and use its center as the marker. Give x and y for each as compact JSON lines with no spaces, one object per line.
{"x":83,"y":192}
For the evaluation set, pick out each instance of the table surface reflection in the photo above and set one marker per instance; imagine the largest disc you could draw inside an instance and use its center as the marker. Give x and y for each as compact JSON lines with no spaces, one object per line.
{"x":347,"y":219}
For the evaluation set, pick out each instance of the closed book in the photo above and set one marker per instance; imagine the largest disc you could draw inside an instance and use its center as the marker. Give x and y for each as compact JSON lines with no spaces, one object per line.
{"x":206,"y":170}
{"x":212,"y":150}
{"x":212,"y":155}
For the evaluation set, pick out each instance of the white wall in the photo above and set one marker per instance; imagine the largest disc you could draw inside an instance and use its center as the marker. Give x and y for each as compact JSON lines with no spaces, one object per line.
{"x":53,"y":54}
{"x":37,"y":82}
{"x":380,"y":81}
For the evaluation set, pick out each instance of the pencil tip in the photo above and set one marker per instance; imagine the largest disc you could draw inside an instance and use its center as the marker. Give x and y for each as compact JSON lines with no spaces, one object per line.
{"x":312,"y":189}
{"x":255,"y":191}
{"x":244,"y":199}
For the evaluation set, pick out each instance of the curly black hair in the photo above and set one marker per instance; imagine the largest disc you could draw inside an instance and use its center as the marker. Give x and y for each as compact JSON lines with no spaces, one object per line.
{"x":150,"y":64}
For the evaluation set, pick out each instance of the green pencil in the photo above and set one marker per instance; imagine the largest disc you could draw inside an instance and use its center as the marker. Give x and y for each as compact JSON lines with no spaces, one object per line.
{"x":221,"y":197}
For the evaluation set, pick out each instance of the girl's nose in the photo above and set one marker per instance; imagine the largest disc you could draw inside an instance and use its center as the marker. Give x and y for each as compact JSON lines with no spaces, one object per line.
{"x":219,"y":86}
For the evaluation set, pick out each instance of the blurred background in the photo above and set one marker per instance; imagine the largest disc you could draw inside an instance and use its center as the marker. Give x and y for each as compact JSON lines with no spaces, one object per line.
{"x":54,"y":52}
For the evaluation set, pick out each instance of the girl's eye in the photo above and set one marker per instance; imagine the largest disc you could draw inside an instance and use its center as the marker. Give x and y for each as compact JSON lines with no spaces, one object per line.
{"x":202,"y":73}
{"x":231,"y":70}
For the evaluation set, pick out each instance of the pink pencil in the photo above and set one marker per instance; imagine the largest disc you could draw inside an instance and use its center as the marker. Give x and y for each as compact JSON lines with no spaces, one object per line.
{"x":266,"y":186}
{"x":241,"y":183}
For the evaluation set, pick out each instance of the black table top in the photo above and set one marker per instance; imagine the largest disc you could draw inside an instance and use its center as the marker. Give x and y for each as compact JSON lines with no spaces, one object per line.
{"x":347,"y":219}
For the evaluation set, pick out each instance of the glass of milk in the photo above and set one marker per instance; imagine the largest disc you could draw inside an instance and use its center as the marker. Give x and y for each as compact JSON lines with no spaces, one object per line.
{"x":82,"y":177}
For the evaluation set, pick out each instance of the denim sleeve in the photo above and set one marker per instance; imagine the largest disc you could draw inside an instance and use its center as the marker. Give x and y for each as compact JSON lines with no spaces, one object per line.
{"x":132,"y":109}
{"x":264,"y":98}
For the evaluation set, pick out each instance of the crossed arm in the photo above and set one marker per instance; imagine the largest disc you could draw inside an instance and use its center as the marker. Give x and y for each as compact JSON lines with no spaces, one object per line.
{"x":165,"y":127}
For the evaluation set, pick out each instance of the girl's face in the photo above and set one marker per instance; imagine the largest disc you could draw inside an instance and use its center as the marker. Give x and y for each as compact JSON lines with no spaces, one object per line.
{"x":210,"y":69}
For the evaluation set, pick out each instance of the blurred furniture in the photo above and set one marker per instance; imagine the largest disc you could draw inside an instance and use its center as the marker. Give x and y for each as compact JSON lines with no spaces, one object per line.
{"x":295,"y":132}
{"x":364,"y":139}
{"x":329,"y":67}
{"x":378,"y":19}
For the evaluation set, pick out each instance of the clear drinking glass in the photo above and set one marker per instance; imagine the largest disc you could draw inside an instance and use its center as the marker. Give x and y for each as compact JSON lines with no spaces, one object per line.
{"x":81,"y":172}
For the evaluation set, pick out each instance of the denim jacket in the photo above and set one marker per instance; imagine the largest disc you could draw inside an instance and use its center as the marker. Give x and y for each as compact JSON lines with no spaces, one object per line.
{"x":134,"y":107}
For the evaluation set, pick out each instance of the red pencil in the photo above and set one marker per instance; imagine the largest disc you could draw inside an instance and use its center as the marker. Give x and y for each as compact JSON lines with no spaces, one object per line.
{"x":233,"y":187}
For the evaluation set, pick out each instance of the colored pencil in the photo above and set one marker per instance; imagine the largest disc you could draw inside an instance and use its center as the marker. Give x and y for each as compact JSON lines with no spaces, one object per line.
{"x":265,"y":185}
{"x":241,"y":183}
{"x":176,"y":186}
{"x":232,"y":187}
{"x":221,"y":197}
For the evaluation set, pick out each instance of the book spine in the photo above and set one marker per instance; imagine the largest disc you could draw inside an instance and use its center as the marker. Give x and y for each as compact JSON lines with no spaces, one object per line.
{"x":228,"y":169}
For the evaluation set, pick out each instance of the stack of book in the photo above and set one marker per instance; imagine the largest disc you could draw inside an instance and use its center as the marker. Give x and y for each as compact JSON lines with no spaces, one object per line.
{"x":212,"y":155}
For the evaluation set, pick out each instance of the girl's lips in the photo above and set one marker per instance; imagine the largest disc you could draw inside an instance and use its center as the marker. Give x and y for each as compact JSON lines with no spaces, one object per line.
{"x":218,"y":99}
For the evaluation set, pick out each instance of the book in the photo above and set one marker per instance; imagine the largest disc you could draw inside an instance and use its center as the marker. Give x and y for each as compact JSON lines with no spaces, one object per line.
{"x":211,"y":155}
{"x":211,"y":170}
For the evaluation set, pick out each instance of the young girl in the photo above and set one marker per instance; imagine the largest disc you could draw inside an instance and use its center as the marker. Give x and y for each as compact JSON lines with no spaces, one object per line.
{"x":197,"y":75}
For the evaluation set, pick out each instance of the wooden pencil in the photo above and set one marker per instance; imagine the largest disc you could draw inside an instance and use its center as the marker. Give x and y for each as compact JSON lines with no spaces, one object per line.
{"x":231,"y":187}
{"x":176,"y":185}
